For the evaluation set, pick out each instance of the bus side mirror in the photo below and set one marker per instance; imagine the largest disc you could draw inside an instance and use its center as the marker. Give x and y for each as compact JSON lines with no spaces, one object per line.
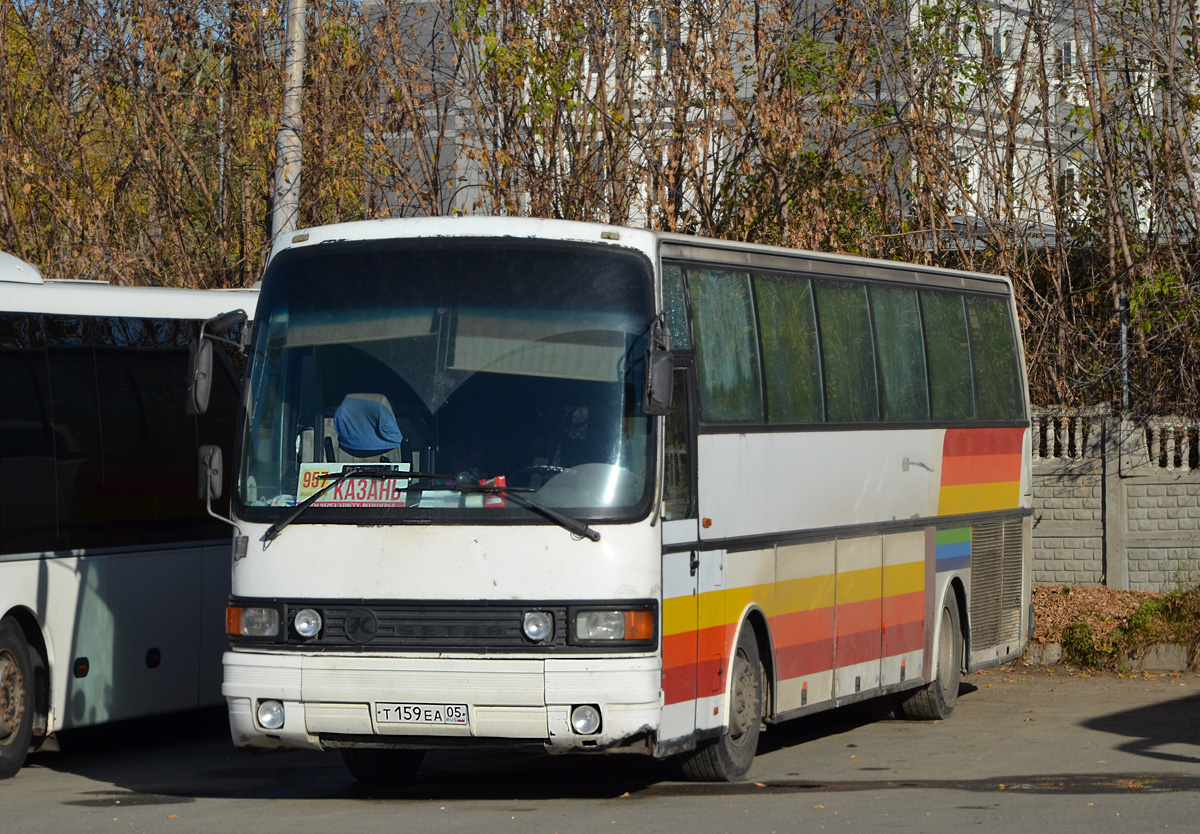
{"x":659,"y":379}
{"x":200,"y":362}
{"x":200,"y":357}
{"x":211,"y":471}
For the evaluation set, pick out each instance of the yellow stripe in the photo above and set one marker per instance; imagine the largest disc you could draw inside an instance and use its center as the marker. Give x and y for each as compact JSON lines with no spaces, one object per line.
{"x":712,"y":609}
{"x":978,"y":498}
{"x":859,"y":585}
{"x":903,"y":579}
{"x":717,"y":608}
{"x":679,"y":615}
{"x":806,"y":594}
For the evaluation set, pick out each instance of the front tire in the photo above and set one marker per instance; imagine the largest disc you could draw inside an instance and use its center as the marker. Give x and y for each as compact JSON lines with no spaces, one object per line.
{"x":16,"y":698}
{"x":382,"y":768}
{"x":726,"y":759}
{"x":936,"y":699}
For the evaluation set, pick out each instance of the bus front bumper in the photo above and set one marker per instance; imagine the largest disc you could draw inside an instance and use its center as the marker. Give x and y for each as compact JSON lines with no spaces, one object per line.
{"x":347,"y":701}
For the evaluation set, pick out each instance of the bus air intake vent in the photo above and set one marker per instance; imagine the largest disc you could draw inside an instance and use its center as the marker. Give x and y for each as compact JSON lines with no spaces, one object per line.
{"x":996,"y":577}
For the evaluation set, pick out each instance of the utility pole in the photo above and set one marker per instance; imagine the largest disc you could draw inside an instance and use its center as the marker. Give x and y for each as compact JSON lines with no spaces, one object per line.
{"x":286,"y":203}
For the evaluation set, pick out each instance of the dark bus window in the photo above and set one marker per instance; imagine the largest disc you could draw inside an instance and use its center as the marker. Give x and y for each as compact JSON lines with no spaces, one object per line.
{"x":994,"y":354}
{"x":726,"y":346}
{"x":79,"y":460}
{"x":147,"y":490}
{"x":951,"y":393}
{"x":901,"y":353}
{"x":28,"y":510}
{"x":789,"y":335}
{"x":847,"y":352}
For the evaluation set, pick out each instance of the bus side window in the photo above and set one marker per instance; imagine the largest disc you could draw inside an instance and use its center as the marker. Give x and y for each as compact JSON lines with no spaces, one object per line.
{"x":678,"y":494}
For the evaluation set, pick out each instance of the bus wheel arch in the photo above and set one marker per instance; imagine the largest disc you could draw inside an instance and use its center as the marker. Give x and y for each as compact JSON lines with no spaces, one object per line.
{"x":18,"y":688}
{"x":728,"y":757}
{"x":936,"y":699}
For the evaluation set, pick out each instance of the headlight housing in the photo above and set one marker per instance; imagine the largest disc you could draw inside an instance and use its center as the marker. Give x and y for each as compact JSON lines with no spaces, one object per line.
{"x":252,"y":621}
{"x":606,"y":626}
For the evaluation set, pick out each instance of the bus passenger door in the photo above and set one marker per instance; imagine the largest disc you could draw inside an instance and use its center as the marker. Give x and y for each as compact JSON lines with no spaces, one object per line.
{"x":680,"y":563}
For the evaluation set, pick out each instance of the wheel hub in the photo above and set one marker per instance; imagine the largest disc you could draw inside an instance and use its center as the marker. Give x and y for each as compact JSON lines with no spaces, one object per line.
{"x":12,"y":706}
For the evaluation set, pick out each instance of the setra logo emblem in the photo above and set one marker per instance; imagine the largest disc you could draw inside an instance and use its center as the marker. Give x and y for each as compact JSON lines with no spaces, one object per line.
{"x":361,"y":625}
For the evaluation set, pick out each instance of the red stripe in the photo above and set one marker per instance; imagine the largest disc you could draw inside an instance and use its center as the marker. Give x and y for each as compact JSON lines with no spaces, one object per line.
{"x":983,"y":442}
{"x":906,"y":637}
{"x":805,"y":658}
{"x":679,"y":684}
{"x":859,"y":647}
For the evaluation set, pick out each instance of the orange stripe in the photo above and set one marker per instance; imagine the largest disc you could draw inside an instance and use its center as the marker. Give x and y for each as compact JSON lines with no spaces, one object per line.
{"x":980,"y":469}
{"x":802,"y":626}
{"x":859,"y":616}
{"x":903,"y":608}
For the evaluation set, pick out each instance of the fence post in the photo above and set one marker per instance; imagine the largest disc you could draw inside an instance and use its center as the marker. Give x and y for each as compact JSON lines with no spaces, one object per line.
{"x":1114,"y":435}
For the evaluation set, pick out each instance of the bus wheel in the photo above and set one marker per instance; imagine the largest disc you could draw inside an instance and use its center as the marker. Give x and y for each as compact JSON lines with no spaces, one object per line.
{"x":727,"y":758}
{"x":16,"y":698}
{"x":936,"y":699}
{"x":382,"y":768}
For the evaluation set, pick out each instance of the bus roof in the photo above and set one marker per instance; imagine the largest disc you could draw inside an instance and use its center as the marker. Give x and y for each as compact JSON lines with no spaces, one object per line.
{"x":16,"y":270}
{"x":652,"y":244}
{"x":100,"y":299}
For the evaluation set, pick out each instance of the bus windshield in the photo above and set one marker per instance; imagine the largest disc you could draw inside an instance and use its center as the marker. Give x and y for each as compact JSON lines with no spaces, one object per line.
{"x":499,"y":362}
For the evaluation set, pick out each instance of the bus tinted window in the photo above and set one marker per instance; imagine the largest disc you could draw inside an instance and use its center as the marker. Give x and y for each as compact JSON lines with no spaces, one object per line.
{"x":997,"y":366}
{"x":726,"y":346}
{"x":789,"y":336}
{"x":27,"y":508}
{"x":950,"y":389}
{"x":901,"y":353}
{"x":847,"y":352}
{"x":675,"y":306}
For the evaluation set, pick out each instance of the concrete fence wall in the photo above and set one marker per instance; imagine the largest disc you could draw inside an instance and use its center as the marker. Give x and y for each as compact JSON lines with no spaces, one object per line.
{"x":1116,"y":500}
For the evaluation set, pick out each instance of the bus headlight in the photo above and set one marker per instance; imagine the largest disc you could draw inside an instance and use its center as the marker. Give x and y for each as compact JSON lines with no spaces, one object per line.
{"x":270,"y":715}
{"x":307,"y":623}
{"x":251,"y":621}
{"x":630,"y":626}
{"x":537,"y":626}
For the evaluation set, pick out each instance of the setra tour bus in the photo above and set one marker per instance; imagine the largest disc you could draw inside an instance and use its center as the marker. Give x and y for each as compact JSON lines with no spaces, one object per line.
{"x":113,"y":576}
{"x":534,"y":482}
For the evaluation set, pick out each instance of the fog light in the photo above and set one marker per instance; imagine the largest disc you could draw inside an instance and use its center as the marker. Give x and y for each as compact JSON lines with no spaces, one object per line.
{"x":270,"y":715}
{"x":307,"y":623}
{"x":585,"y":719}
{"x":538,"y":626}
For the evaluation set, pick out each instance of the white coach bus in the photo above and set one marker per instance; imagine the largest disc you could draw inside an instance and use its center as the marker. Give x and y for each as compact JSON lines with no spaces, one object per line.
{"x":581,"y":487}
{"x":113,"y":577}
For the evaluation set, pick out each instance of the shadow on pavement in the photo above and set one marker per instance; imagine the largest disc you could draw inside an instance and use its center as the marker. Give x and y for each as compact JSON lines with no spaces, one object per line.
{"x":1151,"y":727}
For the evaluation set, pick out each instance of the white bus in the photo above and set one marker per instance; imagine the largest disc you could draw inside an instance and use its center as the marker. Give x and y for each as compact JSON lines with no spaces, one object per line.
{"x":473,"y":519}
{"x":113,"y":577}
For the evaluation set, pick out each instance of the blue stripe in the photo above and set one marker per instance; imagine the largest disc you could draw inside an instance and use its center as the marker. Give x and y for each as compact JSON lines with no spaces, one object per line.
{"x":953,"y":549}
{"x":954,"y":563}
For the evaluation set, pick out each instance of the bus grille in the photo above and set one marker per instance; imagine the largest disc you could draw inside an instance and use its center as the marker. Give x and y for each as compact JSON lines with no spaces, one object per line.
{"x":997,"y":574}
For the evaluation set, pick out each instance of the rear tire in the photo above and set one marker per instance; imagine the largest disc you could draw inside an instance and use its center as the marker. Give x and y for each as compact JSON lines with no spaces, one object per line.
{"x":727,"y":758}
{"x":937,"y":698}
{"x":382,"y":768}
{"x":16,"y":698}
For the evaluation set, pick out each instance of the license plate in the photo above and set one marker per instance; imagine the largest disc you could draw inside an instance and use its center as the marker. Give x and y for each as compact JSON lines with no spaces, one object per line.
{"x":421,"y":714}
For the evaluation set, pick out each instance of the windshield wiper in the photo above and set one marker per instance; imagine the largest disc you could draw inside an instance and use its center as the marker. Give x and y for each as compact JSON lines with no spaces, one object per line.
{"x":384,"y":472}
{"x":372,"y":471}
{"x":572,"y":525}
